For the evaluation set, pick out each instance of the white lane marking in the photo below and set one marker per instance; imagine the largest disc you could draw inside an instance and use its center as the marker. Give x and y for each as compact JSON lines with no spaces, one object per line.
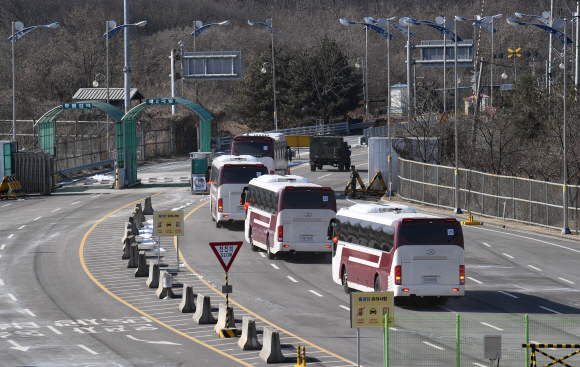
{"x":447,"y":309}
{"x":491,"y":326}
{"x":11,"y":235}
{"x":292,"y":279}
{"x":29,"y":312}
{"x":508,"y":294}
{"x":155,"y":342}
{"x":76,"y":202}
{"x":87,"y":349}
{"x":324,"y":176}
{"x":1,"y":282}
{"x":54,"y":329}
{"x":275,"y":266}
{"x":96,"y":196}
{"x":362,"y":164}
{"x":506,"y":255}
{"x":346,"y":308}
{"x":486,"y":244}
{"x":354,"y":202}
{"x":57,"y":209}
{"x":17,"y":346}
{"x":12,"y":296}
{"x":479,"y":364}
{"x":37,"y":218}
{"x":533,"y":267}
{"x":549,"y":309}
{"x":567,"y":281}
{"x":262,"y":254}
{"x":527,"y":238}
{"x":5,"y":205}
{"x":22,"y":226}
{"x":316,"y":293}
{"x":434,"y":346}
{"x":475,"y":280}
{"x":2,"y":247}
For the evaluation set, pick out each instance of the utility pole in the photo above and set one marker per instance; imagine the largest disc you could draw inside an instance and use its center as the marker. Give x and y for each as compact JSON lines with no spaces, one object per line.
{"x":550,"y":51}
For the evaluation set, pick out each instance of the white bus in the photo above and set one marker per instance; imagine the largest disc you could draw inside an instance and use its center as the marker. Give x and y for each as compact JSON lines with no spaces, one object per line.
{"x":271,"y":149}
{"x":229,"y":175}
{"x":287,"y":214}
{"x":380,"y":247}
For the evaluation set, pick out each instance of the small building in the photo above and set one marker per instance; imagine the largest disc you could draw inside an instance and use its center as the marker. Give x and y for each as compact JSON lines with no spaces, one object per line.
{"x":116,"y":96}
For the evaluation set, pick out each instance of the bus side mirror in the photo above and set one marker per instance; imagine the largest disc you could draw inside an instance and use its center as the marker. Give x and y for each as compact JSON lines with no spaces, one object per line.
{"x":243,"y":197}
{"x":330,"y":229}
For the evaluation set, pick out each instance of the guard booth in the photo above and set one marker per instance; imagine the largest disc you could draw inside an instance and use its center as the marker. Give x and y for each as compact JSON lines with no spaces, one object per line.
{"x":200,"y":166}
{"x":7,"y":149}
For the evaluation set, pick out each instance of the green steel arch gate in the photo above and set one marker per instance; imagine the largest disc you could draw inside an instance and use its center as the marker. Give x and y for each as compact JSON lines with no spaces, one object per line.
{"x":47,"y":124}
{"x":130,"y":133}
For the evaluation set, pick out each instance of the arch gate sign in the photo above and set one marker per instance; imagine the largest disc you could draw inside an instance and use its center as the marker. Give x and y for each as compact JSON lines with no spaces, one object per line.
{"x":46,"y":124}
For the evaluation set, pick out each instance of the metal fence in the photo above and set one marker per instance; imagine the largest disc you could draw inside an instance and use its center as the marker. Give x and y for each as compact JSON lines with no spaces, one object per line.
{"x":457,"y":340}
{"x":512,"y":198}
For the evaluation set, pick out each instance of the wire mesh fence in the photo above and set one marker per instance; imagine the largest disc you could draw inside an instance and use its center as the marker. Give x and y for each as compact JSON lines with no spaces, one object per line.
{"x":512,"y":198}
{"x":457,"y":340}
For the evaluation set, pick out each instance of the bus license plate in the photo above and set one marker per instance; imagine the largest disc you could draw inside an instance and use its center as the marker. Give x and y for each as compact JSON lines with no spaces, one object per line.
{"x":306,"y":238}
{"x":429,"y":280}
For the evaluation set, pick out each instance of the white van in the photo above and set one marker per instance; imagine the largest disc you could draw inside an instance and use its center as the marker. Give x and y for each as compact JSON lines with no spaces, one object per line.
{"x":229,"y":175}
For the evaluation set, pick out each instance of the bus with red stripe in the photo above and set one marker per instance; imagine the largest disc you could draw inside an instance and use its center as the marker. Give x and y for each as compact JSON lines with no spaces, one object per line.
{"x":391,"y":247}
{"x":271,"y":149}
{"x":228,"y":177}
{"x":288,"y":214}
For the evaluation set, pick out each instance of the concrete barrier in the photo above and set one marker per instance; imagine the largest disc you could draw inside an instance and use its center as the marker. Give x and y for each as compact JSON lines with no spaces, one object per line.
{"x":222,"y":321}
{"x":165,"y":291}
{"x":133,"y":256}
{"x":134,"y":226}
{"x":249,"y":338}
{"x":203,"y":313}
{"x":142,"y":216}
{"x":127,"y":247}
{"x":137,"y":218}
{"x":187,"y":304}
{"x":127,"y":232}
{"x":148,"y":209}
{"x":153,"y":280}
{"x":142,"y":269}
{"x":128,"y":240}
{"x":271,"y":351}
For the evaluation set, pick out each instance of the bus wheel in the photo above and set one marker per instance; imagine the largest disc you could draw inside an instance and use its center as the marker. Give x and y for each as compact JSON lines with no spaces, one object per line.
{"x":313,"y":167}
{"x":442,"y":301}
{"x":344,"y":281}
{"x":377,"y":284}
{"x":218,"y":224}
{"x":269,"y":253}
{"x":341,"y":167}
{"x":252,"y":246}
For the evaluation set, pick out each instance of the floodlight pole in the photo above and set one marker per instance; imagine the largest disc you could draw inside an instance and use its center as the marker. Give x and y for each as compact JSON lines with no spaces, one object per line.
{"x":565,"y":228}
{"x":390,"y":158}
{"x":457,"y":209}
{"x":13,"y":89}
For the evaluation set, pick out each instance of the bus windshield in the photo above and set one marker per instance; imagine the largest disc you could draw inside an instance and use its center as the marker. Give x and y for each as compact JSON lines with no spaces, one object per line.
{"x":256,"y":149}
{"x":433,"y":233}
{"x":241,"y":174}
{"x":308,"y":199}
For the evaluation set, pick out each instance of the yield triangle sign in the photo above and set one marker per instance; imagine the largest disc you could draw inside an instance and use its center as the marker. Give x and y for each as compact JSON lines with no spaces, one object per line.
{"x":226,"y":252}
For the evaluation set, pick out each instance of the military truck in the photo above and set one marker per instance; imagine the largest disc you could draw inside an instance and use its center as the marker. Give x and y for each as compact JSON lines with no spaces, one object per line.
{"x":329,"y":150}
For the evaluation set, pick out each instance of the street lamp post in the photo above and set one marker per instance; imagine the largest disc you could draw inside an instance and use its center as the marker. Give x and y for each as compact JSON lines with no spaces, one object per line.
{"x":109,"y":24}
{"x":491,"y":64}
{"x":362,"y":64}
{"x":565,"y":40}
{"x":268,"y":26}
{"x":18,"y":31}
{"x":127,"y":71}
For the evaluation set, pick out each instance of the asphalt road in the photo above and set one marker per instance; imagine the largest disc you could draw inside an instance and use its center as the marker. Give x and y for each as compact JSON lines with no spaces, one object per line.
{"x":67,"y":298}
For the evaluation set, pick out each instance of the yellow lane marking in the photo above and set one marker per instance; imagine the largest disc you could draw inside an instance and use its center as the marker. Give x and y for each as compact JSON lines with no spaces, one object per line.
{"x":130,"y":305}
{"x":244,"y":308}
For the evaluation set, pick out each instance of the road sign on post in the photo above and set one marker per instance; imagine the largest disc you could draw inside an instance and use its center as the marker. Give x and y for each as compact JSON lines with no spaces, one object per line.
{"x":226,"y":253}
{"x":168,"y":223}
{"x":368,"y":309}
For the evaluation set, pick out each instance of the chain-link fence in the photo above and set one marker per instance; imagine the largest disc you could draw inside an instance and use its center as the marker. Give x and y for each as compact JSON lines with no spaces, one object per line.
{"x":512,"y":198}
{"x":457,"y":340}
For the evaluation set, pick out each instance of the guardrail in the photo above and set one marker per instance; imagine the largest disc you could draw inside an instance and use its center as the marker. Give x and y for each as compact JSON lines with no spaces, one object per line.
{"x":306,"y":130}
{"x":64,"y":171}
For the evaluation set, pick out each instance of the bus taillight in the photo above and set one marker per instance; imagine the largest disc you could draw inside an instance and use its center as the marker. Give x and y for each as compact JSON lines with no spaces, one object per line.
{"x":271,"y":172}
{"x":398,"y":274}
{"x":280,"y":233}
{"x":220,"y":205}
{"x":407,"y":220}
{"x":461,"y":274}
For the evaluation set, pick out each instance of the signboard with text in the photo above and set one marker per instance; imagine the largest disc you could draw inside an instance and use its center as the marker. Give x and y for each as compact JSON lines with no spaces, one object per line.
{"x":160,"y":102}
{"x":77,"y":106}
{"x":169,"y":223}
{"x":226,"y":252}
{"x":368,"y":309}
